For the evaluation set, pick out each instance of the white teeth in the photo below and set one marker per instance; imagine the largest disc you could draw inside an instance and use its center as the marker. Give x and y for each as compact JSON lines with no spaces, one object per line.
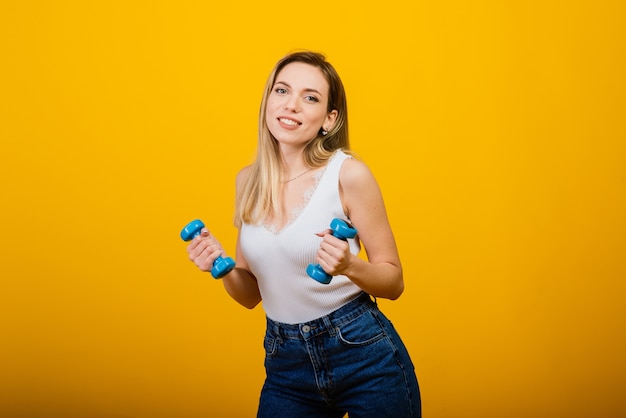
{"x":288,"y":122}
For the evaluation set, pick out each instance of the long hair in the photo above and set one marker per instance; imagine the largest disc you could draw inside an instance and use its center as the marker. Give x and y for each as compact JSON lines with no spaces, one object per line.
{"x":259,"y":195}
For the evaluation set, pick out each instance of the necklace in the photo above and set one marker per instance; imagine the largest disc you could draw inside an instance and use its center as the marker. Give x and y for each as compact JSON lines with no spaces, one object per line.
{"x":298,"y":176}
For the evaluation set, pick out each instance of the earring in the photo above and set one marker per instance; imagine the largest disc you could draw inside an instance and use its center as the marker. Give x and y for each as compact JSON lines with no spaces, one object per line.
{"x":324,"y":132}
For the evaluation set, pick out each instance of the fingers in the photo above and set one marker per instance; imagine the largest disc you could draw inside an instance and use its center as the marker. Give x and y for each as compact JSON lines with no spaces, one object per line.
{"x":333,"y":255}
{"x":334,"y":246}
{"x":203,"y":250}
{"x":325,"y":232}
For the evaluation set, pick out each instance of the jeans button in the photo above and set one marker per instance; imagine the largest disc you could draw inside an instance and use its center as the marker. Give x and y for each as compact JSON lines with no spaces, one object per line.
{"x":306,"y":328}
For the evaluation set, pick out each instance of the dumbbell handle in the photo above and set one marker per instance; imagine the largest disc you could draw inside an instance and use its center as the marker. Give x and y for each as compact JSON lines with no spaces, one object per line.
{"x":221,"y":265}
{"x":342,"y":230}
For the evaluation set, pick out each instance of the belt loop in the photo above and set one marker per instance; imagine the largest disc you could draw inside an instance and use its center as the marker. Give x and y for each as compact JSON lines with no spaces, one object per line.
{"x":329,"y":325}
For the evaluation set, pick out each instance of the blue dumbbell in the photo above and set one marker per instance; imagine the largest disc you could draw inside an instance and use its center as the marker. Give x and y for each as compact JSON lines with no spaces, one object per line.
{"x":221,"y":265}
{"x":342,"y":230}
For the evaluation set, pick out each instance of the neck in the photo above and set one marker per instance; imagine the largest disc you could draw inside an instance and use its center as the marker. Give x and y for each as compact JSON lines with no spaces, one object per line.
{"x":298,"y":175}
{"x":292,"y":163}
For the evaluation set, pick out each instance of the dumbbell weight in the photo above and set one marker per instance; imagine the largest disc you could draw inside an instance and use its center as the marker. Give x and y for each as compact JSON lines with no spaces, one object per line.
{"x":340,"y":229}
{"x":221,"y":265}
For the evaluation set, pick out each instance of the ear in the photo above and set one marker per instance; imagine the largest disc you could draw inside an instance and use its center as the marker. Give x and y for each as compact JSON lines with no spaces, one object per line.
{"x":330,"y":120}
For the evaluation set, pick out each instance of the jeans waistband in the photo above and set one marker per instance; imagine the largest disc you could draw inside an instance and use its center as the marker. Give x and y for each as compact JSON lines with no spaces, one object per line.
{"x":327,"y":323}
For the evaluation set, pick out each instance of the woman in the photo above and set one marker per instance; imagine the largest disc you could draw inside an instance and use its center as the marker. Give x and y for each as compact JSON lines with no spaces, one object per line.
{"x":329,"y":350}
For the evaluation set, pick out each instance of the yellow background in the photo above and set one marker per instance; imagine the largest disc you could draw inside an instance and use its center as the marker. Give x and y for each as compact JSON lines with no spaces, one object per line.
{"x":496,"y":130}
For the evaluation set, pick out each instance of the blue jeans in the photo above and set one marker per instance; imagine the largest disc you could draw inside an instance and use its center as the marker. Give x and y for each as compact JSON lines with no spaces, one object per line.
{"x":351,"y":361}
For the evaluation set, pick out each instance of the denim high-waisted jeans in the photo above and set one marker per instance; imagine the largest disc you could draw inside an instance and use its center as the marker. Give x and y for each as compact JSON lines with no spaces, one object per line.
{"x":351,"y":361}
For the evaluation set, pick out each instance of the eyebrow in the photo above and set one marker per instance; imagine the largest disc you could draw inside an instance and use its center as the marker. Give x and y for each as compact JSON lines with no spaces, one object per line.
{"x":306,"y":90}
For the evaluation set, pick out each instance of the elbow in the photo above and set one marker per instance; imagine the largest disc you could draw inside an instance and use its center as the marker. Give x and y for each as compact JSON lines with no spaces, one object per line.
{"x":250,"y":302}
{"x":398,"y":288}
{"x":391,"y":291}
{"x":247,"y":301}
{"x":397,"y":291}
{"x":249,"y":305}
{"x":392,"y":287}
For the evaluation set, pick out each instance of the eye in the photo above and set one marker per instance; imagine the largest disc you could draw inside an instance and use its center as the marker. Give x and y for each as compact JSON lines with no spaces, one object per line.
{"x":280,"y":90}
{"x":311,"y":99}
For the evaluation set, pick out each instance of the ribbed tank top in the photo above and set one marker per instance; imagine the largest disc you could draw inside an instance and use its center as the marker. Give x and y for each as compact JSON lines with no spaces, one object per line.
{"x":279,"y":259}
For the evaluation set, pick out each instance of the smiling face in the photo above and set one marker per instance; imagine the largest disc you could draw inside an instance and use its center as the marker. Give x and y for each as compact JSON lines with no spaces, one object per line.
{"x":296,"y":108}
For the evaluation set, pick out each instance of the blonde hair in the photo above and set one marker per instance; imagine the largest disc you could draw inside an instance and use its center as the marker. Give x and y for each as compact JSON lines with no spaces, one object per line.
{"x":259,"y":195}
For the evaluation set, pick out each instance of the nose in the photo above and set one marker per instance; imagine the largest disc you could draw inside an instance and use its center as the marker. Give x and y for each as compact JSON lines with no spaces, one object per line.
{"x":292,"y":104}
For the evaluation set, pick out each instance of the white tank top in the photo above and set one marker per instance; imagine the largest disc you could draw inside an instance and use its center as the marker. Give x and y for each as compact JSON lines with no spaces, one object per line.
{"x":279,"y":259}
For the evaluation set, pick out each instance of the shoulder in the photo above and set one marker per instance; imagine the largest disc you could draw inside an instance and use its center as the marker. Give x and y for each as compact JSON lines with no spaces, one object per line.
{"x":355,"y":173}
{"x":358,"y":188}
{"x":243,"y":175}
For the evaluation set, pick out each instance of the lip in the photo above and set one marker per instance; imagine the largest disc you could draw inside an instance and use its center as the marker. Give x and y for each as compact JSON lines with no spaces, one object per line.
{"x":296,"y":123}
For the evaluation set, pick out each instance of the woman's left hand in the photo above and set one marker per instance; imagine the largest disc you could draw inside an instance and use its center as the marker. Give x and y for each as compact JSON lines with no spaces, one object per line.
{"x":334,"y":254}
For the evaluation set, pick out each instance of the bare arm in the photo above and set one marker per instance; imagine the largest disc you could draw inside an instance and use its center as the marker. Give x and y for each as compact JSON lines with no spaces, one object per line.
{"x":240,"y":283}
{"x":381,"y":275}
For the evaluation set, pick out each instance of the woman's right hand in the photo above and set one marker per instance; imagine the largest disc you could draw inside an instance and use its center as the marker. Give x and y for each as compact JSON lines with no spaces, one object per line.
{"x":204,"y":249}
